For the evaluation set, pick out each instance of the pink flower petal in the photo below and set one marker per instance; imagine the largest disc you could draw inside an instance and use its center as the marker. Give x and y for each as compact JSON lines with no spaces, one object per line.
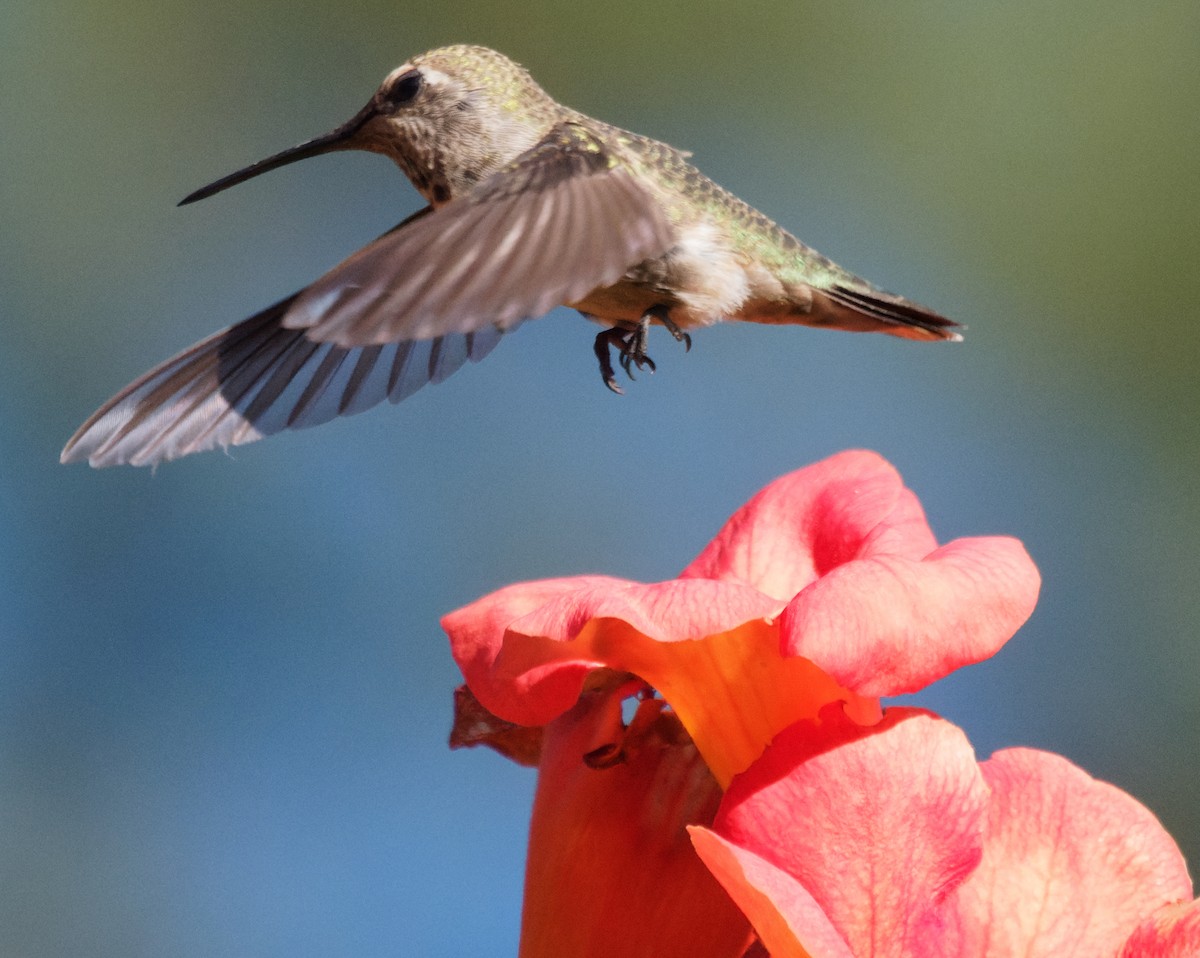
{"x":517,"y":647}
{"x":1171,"y":932}
{"x":1071,"y":865}
{"x":878,"y":824}
{"x":810,"y":521}
{"x":783,"y":913}
{"x":890,"y":624}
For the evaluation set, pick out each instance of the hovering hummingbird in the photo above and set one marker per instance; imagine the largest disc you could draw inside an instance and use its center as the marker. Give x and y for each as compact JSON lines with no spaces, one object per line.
{"x":532,"y":205}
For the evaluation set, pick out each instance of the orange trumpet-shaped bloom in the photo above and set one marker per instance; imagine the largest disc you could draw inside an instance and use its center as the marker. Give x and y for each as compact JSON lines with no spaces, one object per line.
{"x":823,"y":593}
{"x":838,"y":829}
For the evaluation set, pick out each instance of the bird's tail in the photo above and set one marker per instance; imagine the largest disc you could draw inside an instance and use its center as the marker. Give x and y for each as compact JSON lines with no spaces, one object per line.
{"x":854,"y":306}
{"x":867,"y":309}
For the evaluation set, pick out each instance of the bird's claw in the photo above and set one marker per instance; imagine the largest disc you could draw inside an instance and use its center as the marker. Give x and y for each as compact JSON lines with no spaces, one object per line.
{"x":633,"y":350}
{"x":604,"y":339}
{"x":630,"y":342}
{"x":679,"y":334}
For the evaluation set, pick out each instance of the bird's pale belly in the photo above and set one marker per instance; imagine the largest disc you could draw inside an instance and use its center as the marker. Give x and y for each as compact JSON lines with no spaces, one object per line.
{"x":701,"y":281}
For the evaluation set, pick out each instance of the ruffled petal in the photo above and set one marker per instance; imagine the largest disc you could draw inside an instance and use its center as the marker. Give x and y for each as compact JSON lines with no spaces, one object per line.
{"x":877,"y":825}
{"x":813,"y":520}
{"x":1071,"y":865}
{"x":889,"y":624}
{"x":527,"y":650}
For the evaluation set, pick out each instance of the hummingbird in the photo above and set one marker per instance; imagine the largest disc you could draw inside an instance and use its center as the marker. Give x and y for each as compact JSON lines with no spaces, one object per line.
{"x":531,"y":205}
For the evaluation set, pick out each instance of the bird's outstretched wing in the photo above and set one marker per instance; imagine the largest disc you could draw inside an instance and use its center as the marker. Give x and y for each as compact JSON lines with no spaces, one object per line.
{"x":410,"y":308}
{"x":256,"y":379}
{"x":562,"y":219}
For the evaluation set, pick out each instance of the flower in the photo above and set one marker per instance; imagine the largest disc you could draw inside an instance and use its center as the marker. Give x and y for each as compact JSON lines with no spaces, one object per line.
{"x":825,"y":592}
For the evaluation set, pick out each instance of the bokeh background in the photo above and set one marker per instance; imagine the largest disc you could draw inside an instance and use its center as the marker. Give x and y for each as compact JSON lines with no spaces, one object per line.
{"x":224,"y":695}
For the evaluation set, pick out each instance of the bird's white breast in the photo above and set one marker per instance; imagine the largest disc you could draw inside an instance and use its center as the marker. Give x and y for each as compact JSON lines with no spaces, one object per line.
{"x":708,"y":277}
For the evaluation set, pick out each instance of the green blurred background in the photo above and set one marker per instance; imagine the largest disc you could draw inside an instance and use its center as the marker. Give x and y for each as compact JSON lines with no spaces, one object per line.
{"x":224,"y":695}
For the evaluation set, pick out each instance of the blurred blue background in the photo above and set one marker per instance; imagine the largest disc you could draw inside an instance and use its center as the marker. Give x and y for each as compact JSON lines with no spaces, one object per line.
{"x":224,"y":694}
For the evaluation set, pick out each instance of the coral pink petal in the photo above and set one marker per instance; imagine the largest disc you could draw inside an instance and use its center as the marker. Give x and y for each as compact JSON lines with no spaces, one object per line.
{"x":1071,"y":865}
{"x":877,"y":824}
{"x":889,"y":624}
{"x":782,"y":912}
{"x":477,"y":627}
{"x":810,"y":521}
{"x":516,"y":651}
{"x":1171,"y":932}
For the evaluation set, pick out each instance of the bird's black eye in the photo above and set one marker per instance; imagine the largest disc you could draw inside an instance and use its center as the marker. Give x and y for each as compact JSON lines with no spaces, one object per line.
{"x":405,"y":88}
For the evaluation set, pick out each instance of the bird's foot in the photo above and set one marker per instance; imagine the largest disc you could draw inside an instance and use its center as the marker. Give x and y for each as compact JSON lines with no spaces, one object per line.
{"x":630,"y":342}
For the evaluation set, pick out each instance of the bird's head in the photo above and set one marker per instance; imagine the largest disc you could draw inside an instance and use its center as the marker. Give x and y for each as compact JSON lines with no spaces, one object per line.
{"x":448,"y":118}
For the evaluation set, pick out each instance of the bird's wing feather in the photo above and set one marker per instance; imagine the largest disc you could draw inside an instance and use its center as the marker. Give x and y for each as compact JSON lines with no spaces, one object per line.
{"x":255,"y":379}
{"x":562,"y":219}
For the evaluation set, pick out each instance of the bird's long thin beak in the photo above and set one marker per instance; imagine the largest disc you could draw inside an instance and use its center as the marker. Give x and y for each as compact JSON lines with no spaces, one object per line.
{"x":340,"y":139}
